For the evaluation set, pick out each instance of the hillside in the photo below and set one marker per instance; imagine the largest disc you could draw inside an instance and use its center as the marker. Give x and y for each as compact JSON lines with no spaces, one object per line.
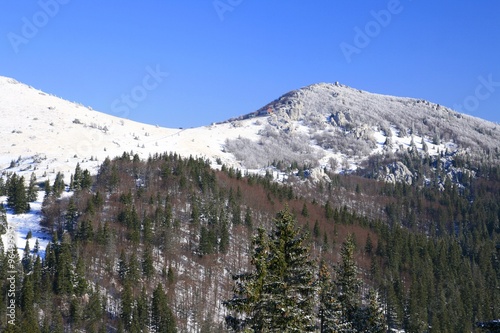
{"x":393,"y":201}
{"x":47,"y":134}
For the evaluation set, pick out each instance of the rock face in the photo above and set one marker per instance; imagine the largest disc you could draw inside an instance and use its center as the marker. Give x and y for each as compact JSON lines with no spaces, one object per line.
{"x":341,"y":118}
{"x":396,"y":172}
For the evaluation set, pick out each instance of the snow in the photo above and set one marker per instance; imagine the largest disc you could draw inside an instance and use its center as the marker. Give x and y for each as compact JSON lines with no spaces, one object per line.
{"x":51,"y":135}
{"x":23,"y":223}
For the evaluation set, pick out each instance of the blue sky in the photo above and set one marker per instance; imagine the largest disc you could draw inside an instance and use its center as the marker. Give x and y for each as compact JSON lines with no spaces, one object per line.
{"x":191,"y":63}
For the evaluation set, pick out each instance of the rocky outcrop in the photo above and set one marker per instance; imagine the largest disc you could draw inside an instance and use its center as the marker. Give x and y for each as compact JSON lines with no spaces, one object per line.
{"x":396,"y":172}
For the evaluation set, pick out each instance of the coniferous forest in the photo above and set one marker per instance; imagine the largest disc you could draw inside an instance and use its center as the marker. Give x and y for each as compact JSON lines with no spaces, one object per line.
{"x":170,"y":244}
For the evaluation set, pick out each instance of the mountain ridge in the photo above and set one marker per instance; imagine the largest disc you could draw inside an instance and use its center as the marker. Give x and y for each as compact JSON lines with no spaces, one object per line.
{"x":324,"y":125}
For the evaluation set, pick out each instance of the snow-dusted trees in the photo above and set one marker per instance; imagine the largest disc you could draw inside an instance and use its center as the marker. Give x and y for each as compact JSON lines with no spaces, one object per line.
{"x":331,"y":316}
{"x":278,"y":295}
{"x":283,"y":294}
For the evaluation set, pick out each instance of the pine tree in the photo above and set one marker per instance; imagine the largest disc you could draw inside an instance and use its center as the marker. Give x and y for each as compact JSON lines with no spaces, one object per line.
{"x":127,"y":303}
{"x":304,"y":211}
{"x":71,"y":215}
{"x":371,"y":318}
{"x":26,"y":261}
{"x":278,"y":295}
{"x":3,"y":219}
{"x":133,"y":271}
{"x":147,"y":262}
{"x":58,"y":187}
{"x":17,"y":198}
{"x":77,"y":178}
{"x":331,"y":317}
{"x":64,"y":268}
{"x":122,"y":266}
{"x":80,"y":280}
{"x":347,"y":280}
{"x":162,"y":318}
{"x":248,"y":218}
{"x":142,"y":307}
{"x":224,"y":237}
{"x":32,"y":192}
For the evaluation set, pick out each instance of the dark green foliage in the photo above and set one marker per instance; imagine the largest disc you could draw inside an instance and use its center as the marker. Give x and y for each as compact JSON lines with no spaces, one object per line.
{"x":278,"y":295}
{"x":162,"y":319}
{"x":147,"y":262}
{"x":304,"y":211}
{"x":32,"y":191}
{"x":347,"y":280}
{"x":58,"y":186}
{"x":17,"y":197}
{"x":332,"y":318}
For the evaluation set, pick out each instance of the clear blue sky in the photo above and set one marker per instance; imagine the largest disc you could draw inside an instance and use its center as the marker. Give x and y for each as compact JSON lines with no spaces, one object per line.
{"x":230,"y":57}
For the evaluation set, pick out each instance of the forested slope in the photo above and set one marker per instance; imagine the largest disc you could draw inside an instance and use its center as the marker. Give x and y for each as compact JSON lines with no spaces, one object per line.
{"x":153,"y":245}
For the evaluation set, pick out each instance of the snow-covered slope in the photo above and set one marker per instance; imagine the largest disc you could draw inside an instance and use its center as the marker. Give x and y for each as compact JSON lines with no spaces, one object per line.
{"x":46,"y":134}
{"x":322,"y":121}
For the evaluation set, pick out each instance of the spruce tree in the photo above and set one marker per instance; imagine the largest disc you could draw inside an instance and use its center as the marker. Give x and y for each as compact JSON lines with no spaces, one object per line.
{"x":348,"y":282}
{"x":127,"y":305}
{"x":17,"y":198}
{"x":375,"y":318}
{"x":162,"y":318}
{"x":32,"y":192}
{"x":3,"y":220}
{"x":147,"y":262}
{"x":278,"y":295}
{"x":332,"y":318}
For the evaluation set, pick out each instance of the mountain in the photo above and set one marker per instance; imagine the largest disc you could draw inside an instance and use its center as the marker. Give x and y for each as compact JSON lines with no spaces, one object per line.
{"x":322,"y":126}
{"x":382,"y":210}
{"x":323,"y":121}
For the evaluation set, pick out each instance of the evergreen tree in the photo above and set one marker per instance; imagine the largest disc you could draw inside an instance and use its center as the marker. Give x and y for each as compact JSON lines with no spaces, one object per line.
{"x":347,"y":280}
{"x":86,"y":181}
{"x":3,"y":188}
{"x":147,"y":262}
{"x":373,"y":317}
{"x":77,"y":178}
{"x":304,"y":211}
{"x":17,"y":198}
{"x":3,"y":219}
{"x":26,"y":261}
{"x":162,"y":318}
{"x":71,"y":215}
{"x":122,"y":266}
{"x":248,"y":218}
{"x":278,"y":295}
{"x":79,"y":278}
{"x":58,"y":187}
{"x":127,"y":305}
{"x":332,"y":318}
{"x":32,"y":192}
{"x":64,"y":268}
{"x":224,"y":237}
{"x":316,"y":230}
